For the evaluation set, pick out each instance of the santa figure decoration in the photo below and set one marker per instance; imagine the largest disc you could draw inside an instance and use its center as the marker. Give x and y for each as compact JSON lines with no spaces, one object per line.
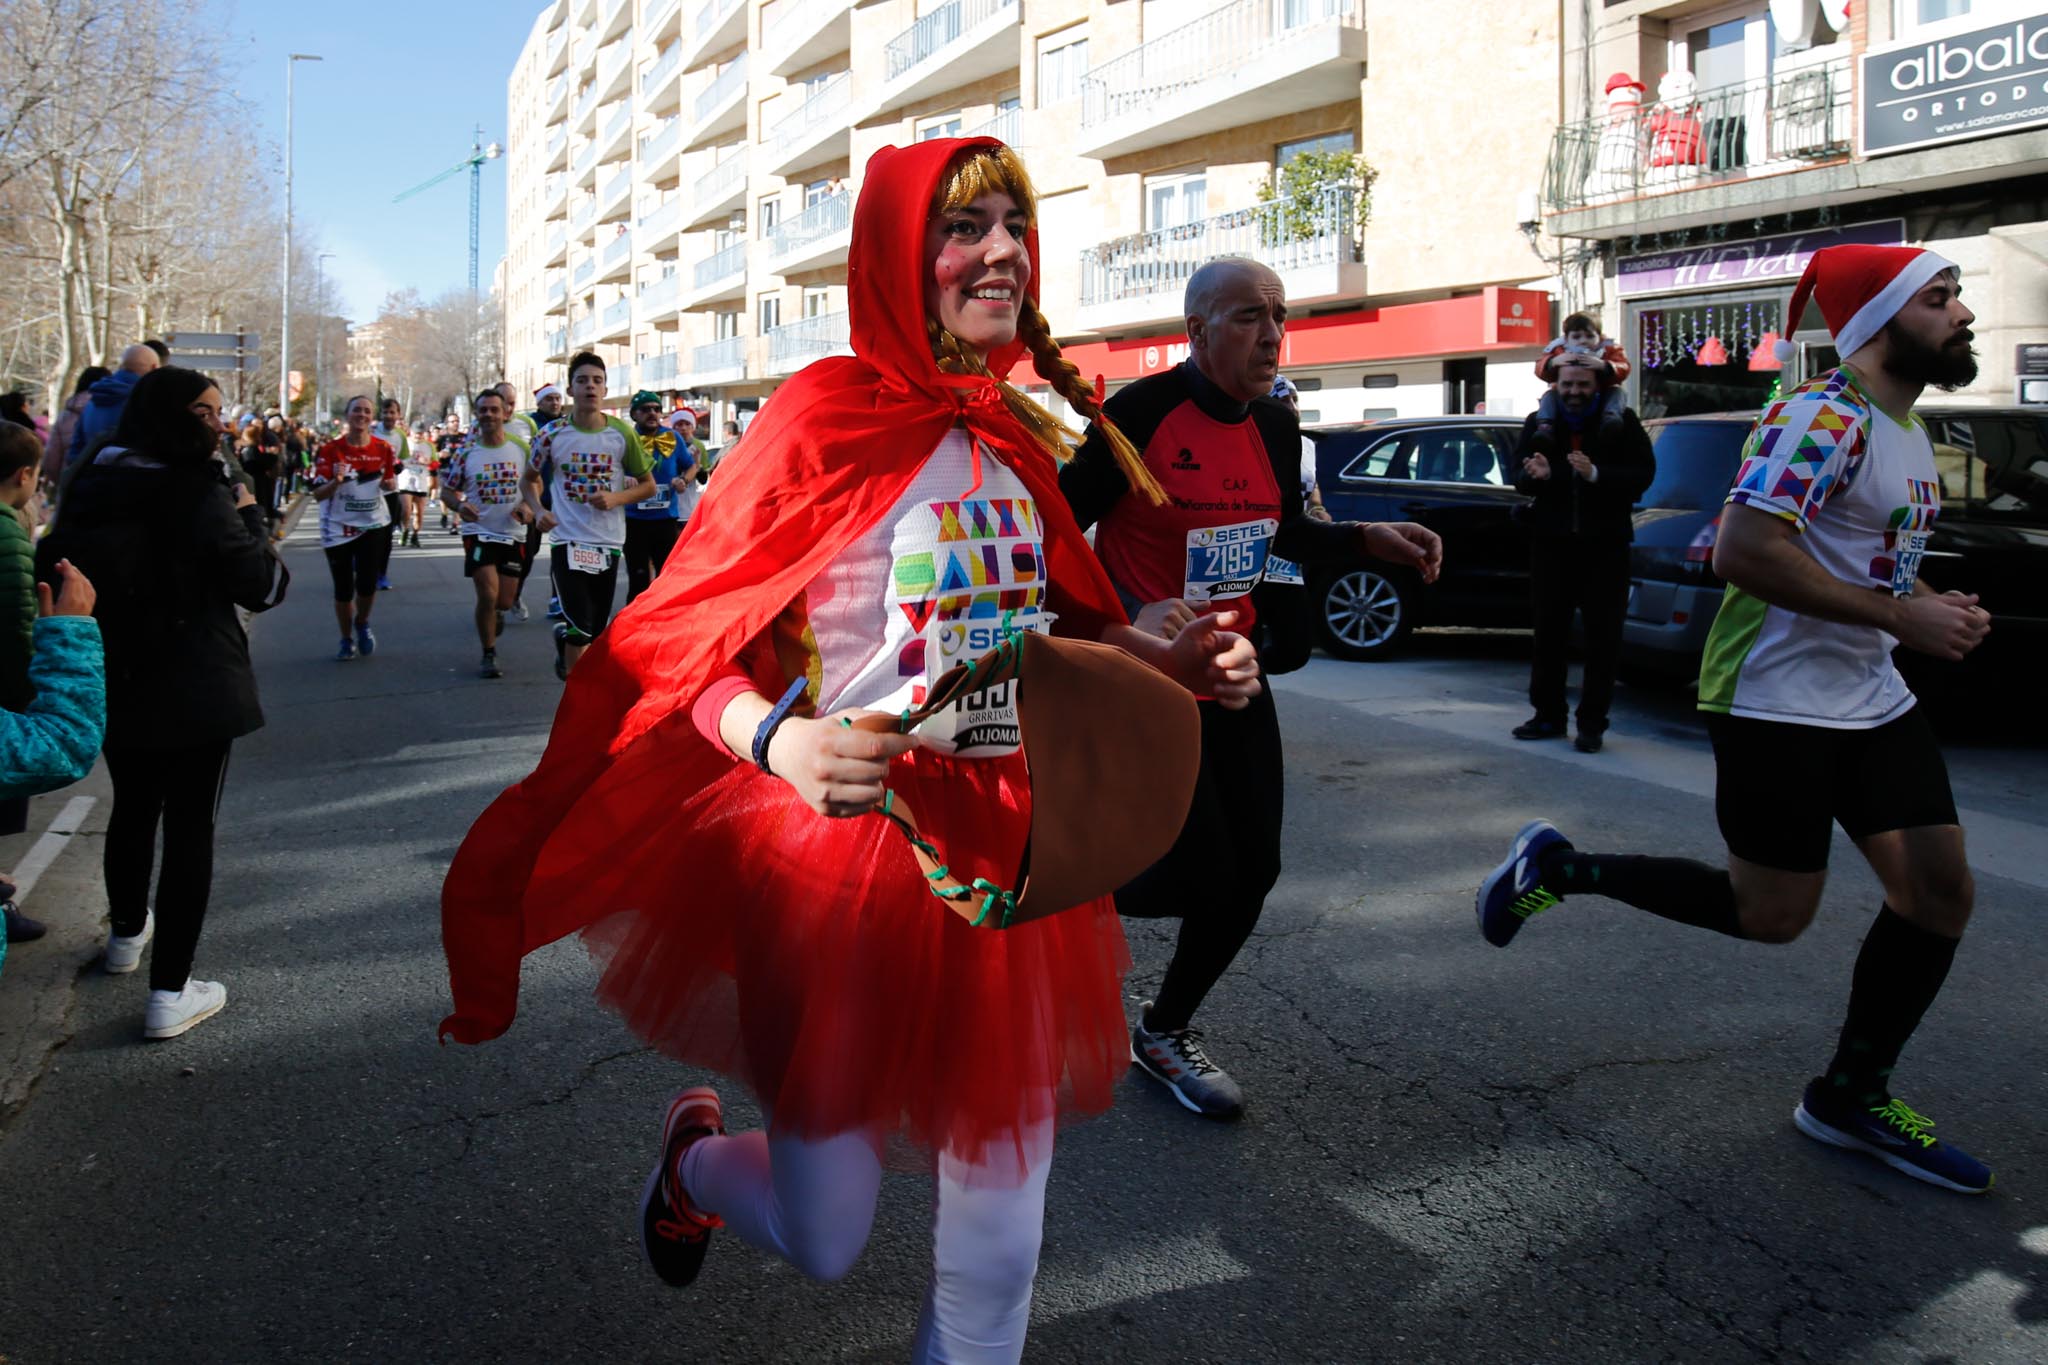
{"x":1618,"y":155}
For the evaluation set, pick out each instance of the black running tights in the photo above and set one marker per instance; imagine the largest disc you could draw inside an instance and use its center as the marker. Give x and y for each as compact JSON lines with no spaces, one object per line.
{"x":178,"y":789}
{"x":1216,"y":876}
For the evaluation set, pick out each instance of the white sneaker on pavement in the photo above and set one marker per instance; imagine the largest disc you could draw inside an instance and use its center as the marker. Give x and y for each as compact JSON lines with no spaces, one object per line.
{"x":517,"y":616}
{"x":170,"y":1013}
{"x":123,"y":953}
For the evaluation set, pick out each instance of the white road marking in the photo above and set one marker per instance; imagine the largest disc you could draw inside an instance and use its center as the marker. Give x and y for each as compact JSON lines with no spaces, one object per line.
{"x":31,"y":868}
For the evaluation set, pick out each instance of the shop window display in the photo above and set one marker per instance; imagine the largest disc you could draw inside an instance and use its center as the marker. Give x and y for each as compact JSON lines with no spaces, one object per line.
{"x":1707,"y":357}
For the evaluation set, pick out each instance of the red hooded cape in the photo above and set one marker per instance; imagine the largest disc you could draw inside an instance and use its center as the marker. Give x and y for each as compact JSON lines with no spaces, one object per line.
{"x":832,"y":452}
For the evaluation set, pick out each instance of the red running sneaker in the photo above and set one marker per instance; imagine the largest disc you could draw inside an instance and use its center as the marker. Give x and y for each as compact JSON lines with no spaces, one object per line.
{"x":674,"y":1234}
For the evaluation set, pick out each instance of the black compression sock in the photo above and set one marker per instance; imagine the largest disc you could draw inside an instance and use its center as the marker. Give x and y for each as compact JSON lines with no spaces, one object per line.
{"x":1675,"y":888}
{"x":1898,"y":974}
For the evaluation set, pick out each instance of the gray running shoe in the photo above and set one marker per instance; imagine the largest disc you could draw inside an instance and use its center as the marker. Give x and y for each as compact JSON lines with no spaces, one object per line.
{"x":1177,"y":1060}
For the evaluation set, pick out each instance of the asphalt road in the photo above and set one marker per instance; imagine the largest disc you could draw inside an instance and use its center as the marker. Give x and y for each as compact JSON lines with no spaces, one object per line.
{"x":1578,"y":1149}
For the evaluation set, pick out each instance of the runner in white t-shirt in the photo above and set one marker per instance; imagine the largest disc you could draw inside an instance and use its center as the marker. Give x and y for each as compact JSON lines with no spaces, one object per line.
{"x":415,"y":476}
{"x":481,"y":486}
{"x":1821,"y":544}
{"x":592,"y":466}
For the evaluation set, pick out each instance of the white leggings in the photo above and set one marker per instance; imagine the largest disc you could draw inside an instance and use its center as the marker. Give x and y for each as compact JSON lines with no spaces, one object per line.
{"x":813,"y":1203}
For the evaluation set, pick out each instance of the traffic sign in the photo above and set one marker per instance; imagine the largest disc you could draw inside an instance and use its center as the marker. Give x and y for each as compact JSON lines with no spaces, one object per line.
{"x":216,"y":341}
{"x":210,"y":363}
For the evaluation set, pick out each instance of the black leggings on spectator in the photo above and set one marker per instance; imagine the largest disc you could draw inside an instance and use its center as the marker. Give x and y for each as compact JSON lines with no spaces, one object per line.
{"x":1216,"y":876}
{"x":179,"y":789}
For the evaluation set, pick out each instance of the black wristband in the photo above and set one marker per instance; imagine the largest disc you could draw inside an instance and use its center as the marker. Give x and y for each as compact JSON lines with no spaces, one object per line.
{"x":773,"y":722}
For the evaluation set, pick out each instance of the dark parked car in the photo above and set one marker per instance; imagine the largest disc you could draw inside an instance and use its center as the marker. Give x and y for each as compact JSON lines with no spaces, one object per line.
{"x":1452,"y":475}
{"x":1991,"y":538}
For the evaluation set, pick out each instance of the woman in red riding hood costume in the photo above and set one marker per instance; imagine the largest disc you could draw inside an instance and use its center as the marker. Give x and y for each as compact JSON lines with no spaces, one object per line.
{"x":705,"y":817}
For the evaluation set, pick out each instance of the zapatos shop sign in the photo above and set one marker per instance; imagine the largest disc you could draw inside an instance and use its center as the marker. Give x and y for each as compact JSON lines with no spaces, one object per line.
{"x":1969,"y":85}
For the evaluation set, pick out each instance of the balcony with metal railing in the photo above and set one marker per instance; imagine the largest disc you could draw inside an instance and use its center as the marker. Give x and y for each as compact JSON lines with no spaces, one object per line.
{"x":618,"y":381}
{"x":659,"y":23}
{"x":558,"y":51}
{"x":657,"y":148}
{"x":554,"y":195}
{"x":721,"y":275}
{"x":616,"y":141}
{"x":583,"y":332}
{"x":558,"y":345}
{"x":958,"y":43}
{"x":815,"y":239}
{"x":660,"y":300}
{"x":719,"y":190}
{"x":658,"y":226}
{"x":614,"y":72}
{"x":558,"y":294}
{"x":817,"y":132}
{"x":659,"y":368}
{"x":584,"y":275}
{"x":720,"y":107}
{"x":661,"y":85}
{"x":616,"y":258}
{"x":615,"y":200}
{"x":556,"y":101}
{"x":719,"y":362}
{"x":556,"y":150}
{"x":558,"y":245}
{"x":1667,"y":165}
{"x":615,"y":323}
{"x":1312,"y":242}
{"x":720,"y":24}
{"x":1006,"y":127}
{"x":803,"y":33}
{"x":796,"y":344}
{"x":613,"y":18}
{"x":583,"y":217}
{"x":583,"y":118}
{"x":1249,"y":60}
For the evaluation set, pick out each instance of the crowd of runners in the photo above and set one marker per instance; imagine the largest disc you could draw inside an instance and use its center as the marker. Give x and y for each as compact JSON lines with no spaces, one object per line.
{"x":593,"y":490}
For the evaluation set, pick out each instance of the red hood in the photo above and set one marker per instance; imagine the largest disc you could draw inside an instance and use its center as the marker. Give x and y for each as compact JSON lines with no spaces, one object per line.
{"x":830,"y":453}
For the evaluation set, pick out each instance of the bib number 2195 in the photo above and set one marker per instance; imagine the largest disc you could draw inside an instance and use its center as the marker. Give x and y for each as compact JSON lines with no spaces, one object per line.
{"x":1226,"y":561}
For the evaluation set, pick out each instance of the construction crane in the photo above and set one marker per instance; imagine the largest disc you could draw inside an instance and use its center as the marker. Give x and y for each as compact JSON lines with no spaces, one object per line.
{"x":474,"y":164}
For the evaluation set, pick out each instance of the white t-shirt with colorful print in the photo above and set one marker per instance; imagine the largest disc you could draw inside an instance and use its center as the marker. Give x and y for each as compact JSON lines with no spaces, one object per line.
{"x":1863,"y":491}
{"x":956,"y":567}
{"x":489,"y":476}
{"x":578,"y":463}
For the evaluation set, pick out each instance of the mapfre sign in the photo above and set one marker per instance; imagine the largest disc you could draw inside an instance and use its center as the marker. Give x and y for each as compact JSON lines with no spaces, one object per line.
{"x":1966,"y":85}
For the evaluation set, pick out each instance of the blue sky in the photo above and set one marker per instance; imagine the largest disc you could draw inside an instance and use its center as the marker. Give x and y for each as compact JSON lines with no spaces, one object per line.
{"x":393,"y":103}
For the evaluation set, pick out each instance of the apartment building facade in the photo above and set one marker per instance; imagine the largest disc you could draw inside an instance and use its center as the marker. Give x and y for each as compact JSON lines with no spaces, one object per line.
{"x":1768,"y":129}
{"x":682,"y":174}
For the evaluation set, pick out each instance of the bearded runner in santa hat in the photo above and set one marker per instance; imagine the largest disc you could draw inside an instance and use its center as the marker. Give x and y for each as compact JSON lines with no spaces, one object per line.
{"x":1821,"y":546}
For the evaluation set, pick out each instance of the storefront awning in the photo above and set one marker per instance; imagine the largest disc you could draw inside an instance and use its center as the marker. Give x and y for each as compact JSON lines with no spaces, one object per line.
{"x":1473,"y":324}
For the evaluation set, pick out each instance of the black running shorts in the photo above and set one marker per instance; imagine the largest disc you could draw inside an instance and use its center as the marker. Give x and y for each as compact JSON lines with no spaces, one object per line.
{"x":358,"y":562}
{"x":508,"y":560}
{"x":1780,"y":788}
{"x":586,"y":597}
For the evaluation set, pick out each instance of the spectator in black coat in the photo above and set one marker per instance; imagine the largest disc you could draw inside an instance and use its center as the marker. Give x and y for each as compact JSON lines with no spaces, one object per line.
{"x":1585,"y":479}
{"x":174,"y":548}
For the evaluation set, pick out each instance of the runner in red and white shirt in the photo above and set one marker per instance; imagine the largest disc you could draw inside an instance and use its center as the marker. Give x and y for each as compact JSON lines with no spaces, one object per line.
{"x":351,"y":475}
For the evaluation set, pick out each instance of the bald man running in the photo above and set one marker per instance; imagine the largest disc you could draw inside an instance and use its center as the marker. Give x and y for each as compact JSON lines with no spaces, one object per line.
{"x":1229,"y":457}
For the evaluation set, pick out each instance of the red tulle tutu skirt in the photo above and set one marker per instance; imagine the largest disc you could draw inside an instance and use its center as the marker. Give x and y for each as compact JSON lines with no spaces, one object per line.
{"x":805,"y":958}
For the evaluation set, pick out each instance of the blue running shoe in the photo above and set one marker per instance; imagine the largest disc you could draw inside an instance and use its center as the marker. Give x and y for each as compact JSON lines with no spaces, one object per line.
{"x":1892,"y":1133}
{"x":1513,"y":893}
{"x":347,"y":650}
{"x":383,"y":582}
{"x":366,"y":643}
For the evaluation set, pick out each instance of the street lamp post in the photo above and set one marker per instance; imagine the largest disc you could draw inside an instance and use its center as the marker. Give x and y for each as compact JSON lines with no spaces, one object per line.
{"x":320,"y":338}
{"x":284,"y":344}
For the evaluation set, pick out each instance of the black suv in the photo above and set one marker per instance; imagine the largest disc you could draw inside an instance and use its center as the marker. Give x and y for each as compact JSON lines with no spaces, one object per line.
{"x":1991,"y":538}
{"x":1451,"y":474}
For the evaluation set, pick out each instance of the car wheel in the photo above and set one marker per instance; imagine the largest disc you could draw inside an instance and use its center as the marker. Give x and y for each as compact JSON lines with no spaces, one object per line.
{"x":1366,"y":614}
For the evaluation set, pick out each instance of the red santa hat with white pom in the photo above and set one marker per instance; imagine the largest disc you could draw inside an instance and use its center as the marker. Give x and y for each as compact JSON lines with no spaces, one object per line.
{"x":1860,"y":289}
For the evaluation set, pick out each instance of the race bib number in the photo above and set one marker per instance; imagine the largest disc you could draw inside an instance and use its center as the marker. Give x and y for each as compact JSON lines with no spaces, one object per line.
{"x":589,"y":558}
{"x":1280,"y":570}
{"x":1226,"y":561}
{"x":981,"y":724}
{"x":486,"y":538}
{"x":361,"y":499}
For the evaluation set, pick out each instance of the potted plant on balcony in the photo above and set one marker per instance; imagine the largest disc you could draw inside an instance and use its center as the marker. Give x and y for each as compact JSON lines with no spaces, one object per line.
{"x":1306,"y":189}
